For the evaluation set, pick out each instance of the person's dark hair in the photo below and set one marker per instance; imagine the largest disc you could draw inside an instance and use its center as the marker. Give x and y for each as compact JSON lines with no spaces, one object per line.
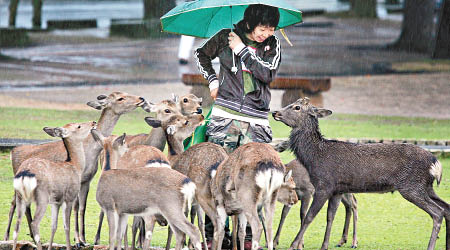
{"x":259,"y":14}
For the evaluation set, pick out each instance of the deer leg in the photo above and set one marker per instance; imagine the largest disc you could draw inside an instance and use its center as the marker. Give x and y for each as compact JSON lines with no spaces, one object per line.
{"x":284,"y":213}
{"x":269,"y":210}
{"x":306,"y":199}
{"x":99,"y":229}
{"x":76,"y":209}
{"x":137,"y":220}
{"x":67,"y":209}
{"x":219,"y":230}
{"x":256,"y":227}
{"x":82,"y":196}
{"x":38,"y":215}
{"x":201,"y":225}
{"x":20,"y":205}
{"x":446,"y":208}
{"x":333,"y":204}
{"x":319,"y":200}
{"x":149,"y":225}
{"x":242,"y":221}
{"x":10,"y":217}
{"x":355,"y":220}
{"x":180,"y":223}
{"x":423,"y":201}
{"x":54,"y":226}
{"x":123,"y":219}
{"x":125,"y":238}
{"x":234,"y":232}
{"x":113,"y":221}
{"x":169,"y":237}
{"x":29,"y":220}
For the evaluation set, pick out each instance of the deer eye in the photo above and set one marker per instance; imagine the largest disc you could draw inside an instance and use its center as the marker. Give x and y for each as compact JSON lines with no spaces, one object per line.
{"x":167,"y":111}
{"x":185,"y":100}
{"x":201,"y":103}
{"x":120,"y":99}
{"x":186,"y":123}
{"x":297,"y":107}
{"x":79,"y":126}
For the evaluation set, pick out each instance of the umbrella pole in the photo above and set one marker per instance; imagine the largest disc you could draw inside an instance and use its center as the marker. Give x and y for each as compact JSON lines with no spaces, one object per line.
{"x":234,"y":68}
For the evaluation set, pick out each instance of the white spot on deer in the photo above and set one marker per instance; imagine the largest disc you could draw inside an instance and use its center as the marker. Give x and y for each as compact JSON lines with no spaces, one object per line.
{"x":255,"y":245}
{"x":222,"y":216}
{"x":37,"y":238}
{"x":148,"y":235}
{"x":15,"y":235}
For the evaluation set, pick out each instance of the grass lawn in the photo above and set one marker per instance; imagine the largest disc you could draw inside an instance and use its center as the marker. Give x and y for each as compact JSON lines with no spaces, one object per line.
{"x":386,"y":221}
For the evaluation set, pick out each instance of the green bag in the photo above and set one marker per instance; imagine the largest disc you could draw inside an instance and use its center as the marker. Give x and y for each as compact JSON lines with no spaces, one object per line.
{"x":199,"y":134}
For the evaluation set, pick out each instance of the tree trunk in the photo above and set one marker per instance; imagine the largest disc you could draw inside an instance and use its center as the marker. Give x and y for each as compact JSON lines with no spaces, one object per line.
{"x":364,"y":8}
{"x":12,"y":12}
{"x":417,"y":27}
{"x":442,"y":45}
{"x":157,"y":8}
{"x":37,"y":14}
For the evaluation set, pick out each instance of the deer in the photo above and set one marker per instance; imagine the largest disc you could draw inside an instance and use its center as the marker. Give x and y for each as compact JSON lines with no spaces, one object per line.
{"x":305,"y":191}
{"x":184,"y":105}
{"x":337,"y":167}
{"x":173,"y":195}
{"x":249,"y":178}
{"x":112,"y":107}
{"x":43,"y":181}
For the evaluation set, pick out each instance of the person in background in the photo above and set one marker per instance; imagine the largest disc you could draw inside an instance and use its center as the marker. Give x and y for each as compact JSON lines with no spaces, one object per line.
{"x":249,"y":56}
{"x":184,"y":49}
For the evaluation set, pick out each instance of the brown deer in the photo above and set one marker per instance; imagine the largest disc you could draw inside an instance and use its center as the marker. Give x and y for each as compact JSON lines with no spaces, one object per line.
{"x":250,"y":177}
{"x":112,"y":106}
{"x":49,"y":182}
{"x":337,"y":167}
{"x":149,"y":191}
{"x":185,"y":105}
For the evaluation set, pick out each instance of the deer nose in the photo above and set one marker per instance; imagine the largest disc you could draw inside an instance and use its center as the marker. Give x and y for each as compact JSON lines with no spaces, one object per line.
{"x":199,"y":110}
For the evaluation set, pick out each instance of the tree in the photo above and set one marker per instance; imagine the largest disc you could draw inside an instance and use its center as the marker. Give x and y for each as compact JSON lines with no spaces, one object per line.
{"x":442,"y":44}
{"x":37,"y":13}
{"x":157,"y":8}
{"x":363,"y":8}
{"x":12,"y":13}
{"x":417,"y":27}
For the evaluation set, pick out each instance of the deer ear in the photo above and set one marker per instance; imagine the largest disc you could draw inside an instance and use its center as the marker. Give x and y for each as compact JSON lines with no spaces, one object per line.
{"x":288,"y":176}
{"x":153,"y":122}
{"x":201,"y":99}
{"x":175,"y":97}
{"x":323,"y":113}
{"x":56,"y":132}
{"x":171,"y":130}
{"x":98,"y":137}
{"x":120,"y":140}
{"x":50,"y":131}
{"x":95,"y":105}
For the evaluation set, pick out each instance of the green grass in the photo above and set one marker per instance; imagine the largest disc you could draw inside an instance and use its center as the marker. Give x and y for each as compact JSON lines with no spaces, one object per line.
{"x":386,"y":221}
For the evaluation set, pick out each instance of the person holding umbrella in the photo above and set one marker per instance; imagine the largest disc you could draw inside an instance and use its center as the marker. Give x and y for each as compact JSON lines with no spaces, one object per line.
{"x":249,"y":58}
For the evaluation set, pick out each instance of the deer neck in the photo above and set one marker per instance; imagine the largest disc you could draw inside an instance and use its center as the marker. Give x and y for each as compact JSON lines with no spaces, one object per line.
{"x":110,"y":160}
{"x":75,"y":153}
{"x":107,"y":121}
{"x":306,"y":142}
{"x":156,"y":138}
{"x":176,"y":148}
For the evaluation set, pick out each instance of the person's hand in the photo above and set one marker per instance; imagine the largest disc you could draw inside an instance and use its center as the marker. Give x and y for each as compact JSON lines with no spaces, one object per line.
{"x":233,"y":40}
{"x":214,"y":93}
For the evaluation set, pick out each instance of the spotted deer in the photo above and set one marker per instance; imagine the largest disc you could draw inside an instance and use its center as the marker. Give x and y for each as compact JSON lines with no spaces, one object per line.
{"x":184,"y":105}
{"x":43,"y":181}
{"x":112,"y":107}
{"x":337,"y":167}
{"x":149,"y":191}
{"x":249,"y":178}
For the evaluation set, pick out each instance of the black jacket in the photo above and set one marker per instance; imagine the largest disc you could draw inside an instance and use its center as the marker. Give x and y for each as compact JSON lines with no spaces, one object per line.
{"x":263,"y":64}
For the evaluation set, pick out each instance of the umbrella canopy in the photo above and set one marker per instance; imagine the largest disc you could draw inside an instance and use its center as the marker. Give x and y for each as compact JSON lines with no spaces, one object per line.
{"x":204,"y":18}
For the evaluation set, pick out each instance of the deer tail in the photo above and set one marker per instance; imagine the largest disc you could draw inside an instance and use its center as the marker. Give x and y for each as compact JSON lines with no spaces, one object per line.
{"x":268,"y":177}
{"x":436,"y":171}
{"x":25,"y":183}
{"x":188,"y":190}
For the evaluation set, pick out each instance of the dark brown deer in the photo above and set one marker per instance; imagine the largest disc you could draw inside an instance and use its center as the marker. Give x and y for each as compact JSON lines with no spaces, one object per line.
{"x":337,"y":167}
{"x":44,"y":182}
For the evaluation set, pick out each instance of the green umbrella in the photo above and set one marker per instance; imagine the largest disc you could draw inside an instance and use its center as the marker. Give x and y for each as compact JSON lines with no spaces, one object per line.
{"x":204,"y":18}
